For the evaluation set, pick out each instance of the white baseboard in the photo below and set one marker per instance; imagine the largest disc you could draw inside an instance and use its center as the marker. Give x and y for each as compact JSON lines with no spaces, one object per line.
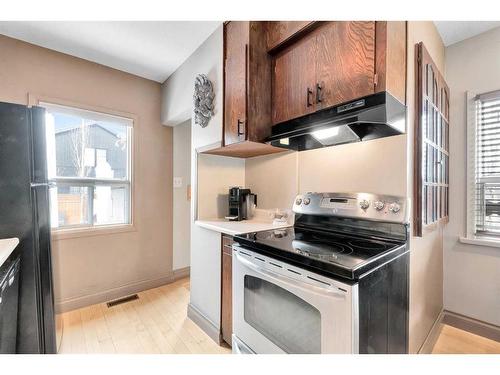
{"x":181,"y":273}
{"x":204,"y":323}
{"x":118,"y":292}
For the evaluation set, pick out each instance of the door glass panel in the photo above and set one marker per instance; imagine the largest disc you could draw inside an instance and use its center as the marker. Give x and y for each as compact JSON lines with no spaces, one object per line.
{"x":285,"y":319}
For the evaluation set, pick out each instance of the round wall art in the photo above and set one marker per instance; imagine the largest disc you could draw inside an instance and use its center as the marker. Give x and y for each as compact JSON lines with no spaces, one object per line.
{"x":203,"y":100}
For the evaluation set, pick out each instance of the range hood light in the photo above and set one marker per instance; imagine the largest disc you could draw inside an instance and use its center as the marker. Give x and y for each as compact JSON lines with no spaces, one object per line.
{"x":373,"y":116}
{"x":285,"y":141}
{"x":325,"y":133}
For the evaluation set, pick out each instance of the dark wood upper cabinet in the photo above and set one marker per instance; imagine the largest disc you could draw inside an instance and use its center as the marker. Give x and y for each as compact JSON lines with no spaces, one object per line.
{"x":235,"y":111}
{"x":345,"y":62}
{"x":330,"y":65}
{"x":293,"y":81}
{"x":247,"y":91}
{"x":280,"y":33}
{"x":336,"y":62}
{"x":236,"y":81}
{"x":276,"y":71}
{"x":390,"y":58}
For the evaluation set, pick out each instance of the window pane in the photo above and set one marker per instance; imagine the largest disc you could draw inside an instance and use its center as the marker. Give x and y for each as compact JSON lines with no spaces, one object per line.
{"x":111,"y":204}
{"x":73,"y":205}
{"x":89,"y":148}
{"x":89,"y":205}
{"x":84,"y":150}
{"x":487,"y":168}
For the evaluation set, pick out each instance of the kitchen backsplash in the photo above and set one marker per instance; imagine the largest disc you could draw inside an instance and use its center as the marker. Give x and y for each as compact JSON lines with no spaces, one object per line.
{"x":377,"y":166}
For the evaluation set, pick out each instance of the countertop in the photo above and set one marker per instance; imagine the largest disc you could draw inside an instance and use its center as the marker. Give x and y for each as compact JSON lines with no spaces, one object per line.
{"x":233,"y":228}
{"x":7,"y":246}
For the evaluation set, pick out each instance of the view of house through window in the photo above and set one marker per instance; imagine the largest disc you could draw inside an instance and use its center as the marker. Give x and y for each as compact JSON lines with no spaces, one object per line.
{"x":89,"y":162}
{"x":487,"y":164}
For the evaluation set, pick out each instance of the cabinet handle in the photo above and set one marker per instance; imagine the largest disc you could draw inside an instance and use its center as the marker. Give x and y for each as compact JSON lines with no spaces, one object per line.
{"x":319,"y":93}
{"x":240,"y":122}
{"x":309,"y":97}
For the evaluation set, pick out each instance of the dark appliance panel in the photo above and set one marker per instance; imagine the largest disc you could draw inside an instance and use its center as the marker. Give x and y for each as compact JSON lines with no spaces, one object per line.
{"x":25,"y":215}
{"x":9,"y":293}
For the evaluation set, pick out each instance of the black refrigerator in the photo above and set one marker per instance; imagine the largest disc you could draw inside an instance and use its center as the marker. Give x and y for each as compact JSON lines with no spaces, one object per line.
{"x":25,"y":214}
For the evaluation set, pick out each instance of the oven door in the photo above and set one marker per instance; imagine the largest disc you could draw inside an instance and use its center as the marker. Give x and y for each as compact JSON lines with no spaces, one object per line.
{"x":279,"y":308}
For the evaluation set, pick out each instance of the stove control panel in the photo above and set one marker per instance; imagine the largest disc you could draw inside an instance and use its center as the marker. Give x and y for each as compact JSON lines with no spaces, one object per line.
{"x":354,"y":205}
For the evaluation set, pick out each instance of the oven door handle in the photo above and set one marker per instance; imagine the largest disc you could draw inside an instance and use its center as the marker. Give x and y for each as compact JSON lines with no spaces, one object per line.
{"x":286,"y":280}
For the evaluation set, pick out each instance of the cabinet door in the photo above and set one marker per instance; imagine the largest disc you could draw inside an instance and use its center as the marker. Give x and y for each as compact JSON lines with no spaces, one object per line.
{"x":236,"y":35}
{"x":345,"y":62}
{"x":293,"y":81}
{"x":227,"y":290}
{"x":281,"y":31}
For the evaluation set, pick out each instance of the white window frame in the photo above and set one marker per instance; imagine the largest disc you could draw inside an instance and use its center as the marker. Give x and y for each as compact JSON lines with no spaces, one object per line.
{"x":471,"y":237}
{"x":471,"y":163}
{"x":85,"y":229}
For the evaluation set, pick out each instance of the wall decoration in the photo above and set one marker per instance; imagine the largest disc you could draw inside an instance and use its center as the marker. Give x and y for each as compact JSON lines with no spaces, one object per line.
{"x":203,"y":100}
{"x":431,"y":151}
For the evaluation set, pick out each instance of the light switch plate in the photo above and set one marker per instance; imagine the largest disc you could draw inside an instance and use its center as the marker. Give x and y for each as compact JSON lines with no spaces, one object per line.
{"x":178,"y":182}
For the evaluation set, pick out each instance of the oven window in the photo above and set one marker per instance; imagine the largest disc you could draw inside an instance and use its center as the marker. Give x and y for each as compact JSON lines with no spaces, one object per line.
{"x":283,"y":318}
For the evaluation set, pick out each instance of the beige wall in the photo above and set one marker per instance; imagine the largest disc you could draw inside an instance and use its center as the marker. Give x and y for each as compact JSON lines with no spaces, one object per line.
{"x":177,"y":102}
{"x":273,"y":178}
{"x":278,"y":178}
{"x":376,"y":166}
{"x":426,"y":260}
{"x":182,"y":203}
{"x":216,"y":174}
{"x":472,"y":273}
{"x":93,"y":268}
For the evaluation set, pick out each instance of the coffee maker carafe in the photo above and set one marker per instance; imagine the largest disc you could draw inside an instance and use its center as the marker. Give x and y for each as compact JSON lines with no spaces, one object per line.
{"x":241,"y":204}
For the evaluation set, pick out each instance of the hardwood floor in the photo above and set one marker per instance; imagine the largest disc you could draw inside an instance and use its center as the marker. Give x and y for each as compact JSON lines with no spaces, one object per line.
{"x":155,"y":323}
{"x":456,"y":341}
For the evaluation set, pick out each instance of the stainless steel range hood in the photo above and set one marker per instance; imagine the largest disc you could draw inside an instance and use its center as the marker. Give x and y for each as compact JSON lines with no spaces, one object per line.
{"x":374,"y":116}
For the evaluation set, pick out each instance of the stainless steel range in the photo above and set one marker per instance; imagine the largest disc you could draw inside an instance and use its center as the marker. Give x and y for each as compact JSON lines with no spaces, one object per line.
{"x":335,"y":282}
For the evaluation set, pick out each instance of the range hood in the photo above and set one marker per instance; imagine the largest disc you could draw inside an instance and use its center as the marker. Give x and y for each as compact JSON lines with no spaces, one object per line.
{"x":374,"y":116}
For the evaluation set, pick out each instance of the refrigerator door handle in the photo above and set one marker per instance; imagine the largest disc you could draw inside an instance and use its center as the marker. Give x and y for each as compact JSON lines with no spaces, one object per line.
{"x":48,"y":184}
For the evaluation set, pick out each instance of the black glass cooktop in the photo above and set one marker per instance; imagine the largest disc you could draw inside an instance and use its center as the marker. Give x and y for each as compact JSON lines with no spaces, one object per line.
{"x":339,"y":254}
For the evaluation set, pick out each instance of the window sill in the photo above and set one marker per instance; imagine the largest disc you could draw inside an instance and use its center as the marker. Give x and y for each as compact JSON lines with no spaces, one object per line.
{"x":63,"y":234}
{"x":481,"y":241}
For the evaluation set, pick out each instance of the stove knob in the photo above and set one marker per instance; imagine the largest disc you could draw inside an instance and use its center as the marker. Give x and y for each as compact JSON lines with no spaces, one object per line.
{"x":394,"y":207}
{"x":298,"y":201}
{"x":379,"y":205}
{"x":364,"y":204}
{"x":306,"y":201}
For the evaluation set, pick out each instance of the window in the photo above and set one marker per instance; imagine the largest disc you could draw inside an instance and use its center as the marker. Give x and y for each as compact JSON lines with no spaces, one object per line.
{"x":484,"y":164}
{"x":431,"y":182}
{"x":88,"y":157}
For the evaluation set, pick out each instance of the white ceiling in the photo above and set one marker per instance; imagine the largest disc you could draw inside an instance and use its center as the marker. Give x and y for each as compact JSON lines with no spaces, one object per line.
{"x":152,"y":50}
{"x":455,"y":31}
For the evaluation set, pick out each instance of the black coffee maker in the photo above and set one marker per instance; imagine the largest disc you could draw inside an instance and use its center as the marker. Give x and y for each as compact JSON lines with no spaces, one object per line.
{"x":240,"y":203}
